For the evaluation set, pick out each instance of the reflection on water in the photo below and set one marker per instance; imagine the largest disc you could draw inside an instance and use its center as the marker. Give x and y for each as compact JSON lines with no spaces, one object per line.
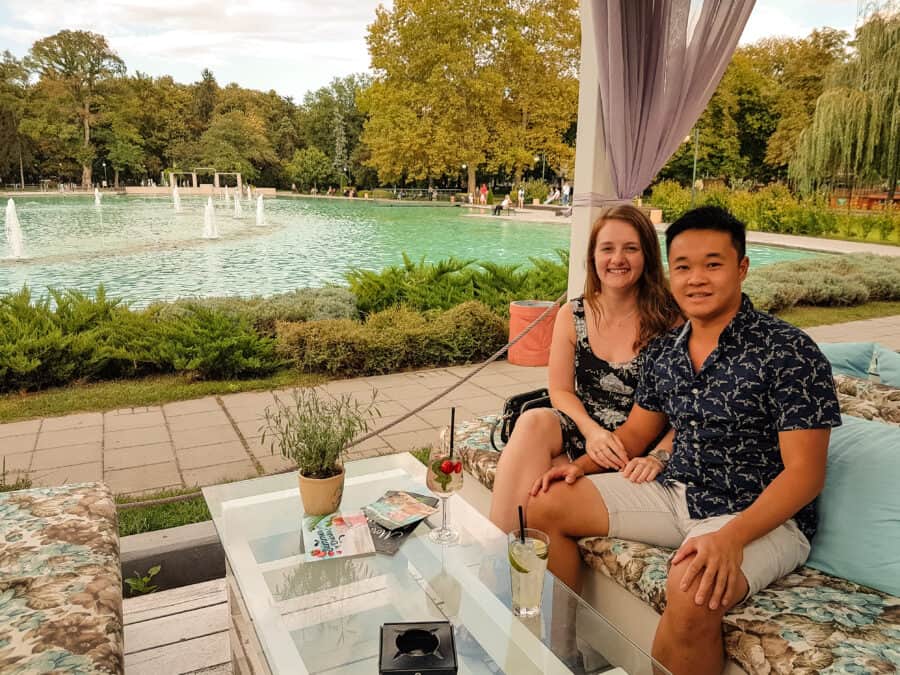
{"x":141,"y":250}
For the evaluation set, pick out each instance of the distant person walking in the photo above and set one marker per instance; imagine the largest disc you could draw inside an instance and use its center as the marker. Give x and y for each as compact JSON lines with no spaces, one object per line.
{"x":520,"y":201}
{"x":566,"y":189}
{"x":483,"y":194}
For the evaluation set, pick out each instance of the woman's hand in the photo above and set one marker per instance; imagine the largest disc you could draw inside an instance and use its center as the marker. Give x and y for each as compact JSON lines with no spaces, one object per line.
{"x":606,"y":449}
{"x":642,"y":469}
{"x":567,"y":472}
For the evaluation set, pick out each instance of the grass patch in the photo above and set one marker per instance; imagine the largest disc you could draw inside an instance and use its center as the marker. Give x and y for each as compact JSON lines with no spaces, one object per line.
{"x":152,"y":518}
{"x":146,"y":391}
{"x":807,"y":317}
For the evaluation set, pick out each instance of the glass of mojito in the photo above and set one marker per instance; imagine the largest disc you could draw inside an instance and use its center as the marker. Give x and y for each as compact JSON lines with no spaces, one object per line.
{"x":527,"y":564}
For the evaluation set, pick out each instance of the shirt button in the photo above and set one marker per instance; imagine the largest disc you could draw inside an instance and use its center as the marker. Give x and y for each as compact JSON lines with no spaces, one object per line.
{"x":696,"y":446}
{"x":695,"y":391}
{"x":693,"y":423}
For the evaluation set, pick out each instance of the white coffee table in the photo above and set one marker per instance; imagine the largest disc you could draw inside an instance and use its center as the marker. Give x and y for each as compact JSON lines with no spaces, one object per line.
{"x":289,"y":616}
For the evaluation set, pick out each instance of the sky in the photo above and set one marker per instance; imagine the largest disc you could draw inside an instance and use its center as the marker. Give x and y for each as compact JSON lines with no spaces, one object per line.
{"x":291,"y":46}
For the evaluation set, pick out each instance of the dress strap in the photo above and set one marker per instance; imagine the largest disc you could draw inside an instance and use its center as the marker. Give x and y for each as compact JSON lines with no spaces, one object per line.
{"x":578,"y":315}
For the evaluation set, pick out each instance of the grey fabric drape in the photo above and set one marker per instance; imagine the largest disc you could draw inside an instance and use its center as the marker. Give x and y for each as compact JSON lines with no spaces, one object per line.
{"x":657,"y":75}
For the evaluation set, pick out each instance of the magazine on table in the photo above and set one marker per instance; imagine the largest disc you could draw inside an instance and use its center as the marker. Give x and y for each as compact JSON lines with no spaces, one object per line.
{"x":397,"y":508}
{"x":337,"y":535}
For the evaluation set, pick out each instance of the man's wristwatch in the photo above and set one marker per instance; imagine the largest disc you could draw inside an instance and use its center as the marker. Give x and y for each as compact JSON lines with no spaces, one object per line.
{"x":661,"y":455}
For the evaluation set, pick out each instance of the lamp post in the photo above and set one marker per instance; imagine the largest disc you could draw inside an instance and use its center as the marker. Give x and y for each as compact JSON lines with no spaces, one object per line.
{"x":465,"y":178}
{"x":694,"y":176}
{"x":105,"y":182}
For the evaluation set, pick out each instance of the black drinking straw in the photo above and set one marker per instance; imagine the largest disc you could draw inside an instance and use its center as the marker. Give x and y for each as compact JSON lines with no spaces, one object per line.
{"x":452,"y":429}
{"x":521,"y":524}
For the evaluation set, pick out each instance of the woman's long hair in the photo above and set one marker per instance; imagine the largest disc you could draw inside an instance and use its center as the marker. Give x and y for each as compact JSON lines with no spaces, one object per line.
{"x":657,"y":308}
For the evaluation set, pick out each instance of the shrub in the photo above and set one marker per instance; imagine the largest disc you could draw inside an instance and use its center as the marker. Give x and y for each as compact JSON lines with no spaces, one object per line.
{"x":302,"y":304}
{"x":825,"y":281}
{"x":391,"y":340}
{"x":672,"y":198}
{"x":534,"y":189}
{"x":425,"y":286}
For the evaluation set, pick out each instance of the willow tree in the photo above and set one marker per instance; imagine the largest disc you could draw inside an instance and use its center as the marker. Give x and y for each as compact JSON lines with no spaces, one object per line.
{"x":81,"y":62}
{"x":855,"y":130}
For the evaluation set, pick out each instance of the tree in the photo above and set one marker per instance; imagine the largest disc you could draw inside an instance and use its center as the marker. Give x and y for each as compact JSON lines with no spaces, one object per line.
{"x":82,"y":62}
{"x":205,"y":95}
{"x":459,"y":84}
{"x":236,"y":141}
{"x":855,"y":131}
{"x":13,"y":99}
{"x":310,"y":167}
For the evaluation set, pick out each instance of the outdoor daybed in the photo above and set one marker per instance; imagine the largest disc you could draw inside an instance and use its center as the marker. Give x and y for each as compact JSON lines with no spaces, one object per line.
{"x":60,"y":581}
{"x":840,"y":613}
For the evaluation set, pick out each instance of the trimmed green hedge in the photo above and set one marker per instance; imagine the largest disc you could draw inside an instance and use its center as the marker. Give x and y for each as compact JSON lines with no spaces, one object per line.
{"x":774,"y":209}
{"x":394,"y":339}
{"x":302,"y":304}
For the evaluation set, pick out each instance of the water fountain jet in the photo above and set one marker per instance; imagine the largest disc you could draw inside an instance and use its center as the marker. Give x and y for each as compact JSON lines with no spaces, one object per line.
{"x":14,"y":232}
{"x":238,"y":211}
{"x":260,"y":215}
{"x":96,"y":197}
{"x":176,"y":199}
{"x":210,"y":231}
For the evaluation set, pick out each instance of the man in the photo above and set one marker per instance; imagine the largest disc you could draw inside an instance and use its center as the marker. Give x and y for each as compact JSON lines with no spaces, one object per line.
{"x":566,"y":188}
{"x":752,"y":403}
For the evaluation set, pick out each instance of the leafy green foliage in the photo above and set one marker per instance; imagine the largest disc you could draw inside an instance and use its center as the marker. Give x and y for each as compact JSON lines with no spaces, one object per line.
{"x":140,"y":584}
{"x":314,"y":430}
{"x":309,"y":168}
{"x":393,"y":339}
{"x":444,"y":284}
{"x":69,"y":336}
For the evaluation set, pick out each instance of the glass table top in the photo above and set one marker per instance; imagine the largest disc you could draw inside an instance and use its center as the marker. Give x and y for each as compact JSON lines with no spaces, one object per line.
{"x":325,"y":616}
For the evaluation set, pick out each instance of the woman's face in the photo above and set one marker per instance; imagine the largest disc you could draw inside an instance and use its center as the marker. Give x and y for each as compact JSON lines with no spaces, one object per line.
{"x":618,"y":257}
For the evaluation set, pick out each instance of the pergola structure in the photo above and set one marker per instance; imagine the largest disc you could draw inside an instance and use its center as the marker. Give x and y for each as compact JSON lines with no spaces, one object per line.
{"x":171,"y":173}
{"x":648,"y":69}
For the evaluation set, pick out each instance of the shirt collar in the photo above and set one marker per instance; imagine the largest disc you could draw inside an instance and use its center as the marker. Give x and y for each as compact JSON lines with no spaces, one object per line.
{"x":738,"y":320}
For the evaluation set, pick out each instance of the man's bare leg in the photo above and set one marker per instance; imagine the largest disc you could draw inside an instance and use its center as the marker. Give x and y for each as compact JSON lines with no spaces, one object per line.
{"x":688,"y":639}
{"x":535,"y":442}
{"x":566,"y":513}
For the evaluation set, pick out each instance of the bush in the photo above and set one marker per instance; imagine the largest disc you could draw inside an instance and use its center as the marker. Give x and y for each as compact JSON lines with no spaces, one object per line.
{"x":824,"y":281}
{"x":534,"y":189}
{"x":672,"y":198}
{"x":302,"y":304}
{"x":393,"y":339}
{"x":94,"y":338}
{"x":426,"y":286}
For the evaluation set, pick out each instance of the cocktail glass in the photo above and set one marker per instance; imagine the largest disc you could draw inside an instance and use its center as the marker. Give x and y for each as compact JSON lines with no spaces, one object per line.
{"x":527,"y":564}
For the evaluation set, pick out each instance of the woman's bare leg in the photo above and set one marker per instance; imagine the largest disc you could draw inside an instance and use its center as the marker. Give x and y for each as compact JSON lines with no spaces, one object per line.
{"x":566,"y":513}
{"x":535,"y":442}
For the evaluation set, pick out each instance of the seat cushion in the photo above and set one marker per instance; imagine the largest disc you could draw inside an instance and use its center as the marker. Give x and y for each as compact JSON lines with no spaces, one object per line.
{"x":861,"y":398}
{"x":472,"y":443}
{"x":60,"y":581}
{"x":806,"y":622}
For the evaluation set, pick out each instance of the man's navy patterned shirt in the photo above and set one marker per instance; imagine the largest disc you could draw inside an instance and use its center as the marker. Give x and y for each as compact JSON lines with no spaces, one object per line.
{"x":764,"y":376}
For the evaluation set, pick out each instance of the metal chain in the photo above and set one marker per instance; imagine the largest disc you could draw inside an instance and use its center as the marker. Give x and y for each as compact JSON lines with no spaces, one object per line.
{"x":496,"y":355}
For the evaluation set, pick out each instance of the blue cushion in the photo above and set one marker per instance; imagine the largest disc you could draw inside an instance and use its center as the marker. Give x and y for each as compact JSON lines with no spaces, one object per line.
{"x":888,"y":366}
{"x":849,"y":358}
{"x":859,"y":509}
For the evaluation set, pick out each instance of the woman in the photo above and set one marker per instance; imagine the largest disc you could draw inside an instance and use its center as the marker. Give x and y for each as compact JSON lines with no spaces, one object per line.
{"x":594,"y":360}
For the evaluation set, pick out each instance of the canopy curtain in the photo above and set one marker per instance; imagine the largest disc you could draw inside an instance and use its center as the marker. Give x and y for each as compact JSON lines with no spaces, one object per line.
{"x":658,"y":66}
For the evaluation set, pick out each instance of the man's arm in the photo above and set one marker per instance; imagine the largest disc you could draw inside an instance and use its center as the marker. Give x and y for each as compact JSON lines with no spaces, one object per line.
{"x":718,"y":555}
{"x":640,"y":429}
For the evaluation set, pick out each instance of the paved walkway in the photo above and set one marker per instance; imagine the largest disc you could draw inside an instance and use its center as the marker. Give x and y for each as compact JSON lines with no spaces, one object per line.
{"x":217,"y":438}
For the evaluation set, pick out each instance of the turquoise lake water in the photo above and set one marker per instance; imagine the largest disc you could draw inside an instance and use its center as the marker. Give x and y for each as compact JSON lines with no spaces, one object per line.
{"x":141,"y":250}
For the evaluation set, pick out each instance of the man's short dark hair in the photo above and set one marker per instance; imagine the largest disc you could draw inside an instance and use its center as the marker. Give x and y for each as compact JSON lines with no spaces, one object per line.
{"x":710,"y":218}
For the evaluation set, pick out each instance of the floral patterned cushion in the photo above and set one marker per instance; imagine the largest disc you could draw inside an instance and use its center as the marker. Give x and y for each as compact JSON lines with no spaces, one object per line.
{"x":870,"y":401}
{"x":807,"y":622}
{"x":60,"y":581}
{"x":472,"y":442}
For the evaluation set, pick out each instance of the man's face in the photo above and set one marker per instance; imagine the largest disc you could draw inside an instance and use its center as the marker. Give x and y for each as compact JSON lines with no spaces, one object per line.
{"x":705,"y":273}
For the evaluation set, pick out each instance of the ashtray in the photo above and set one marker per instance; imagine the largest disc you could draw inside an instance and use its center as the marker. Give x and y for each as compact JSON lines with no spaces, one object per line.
{"x":417,"y":647}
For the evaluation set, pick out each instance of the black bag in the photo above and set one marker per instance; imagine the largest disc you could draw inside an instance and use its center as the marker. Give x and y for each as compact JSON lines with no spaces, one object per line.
{"x":513,"y":408}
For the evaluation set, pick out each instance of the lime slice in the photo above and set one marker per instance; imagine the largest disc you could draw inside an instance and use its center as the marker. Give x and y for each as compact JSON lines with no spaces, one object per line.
{"x":540,"y":548}
{"x":516,"y":565}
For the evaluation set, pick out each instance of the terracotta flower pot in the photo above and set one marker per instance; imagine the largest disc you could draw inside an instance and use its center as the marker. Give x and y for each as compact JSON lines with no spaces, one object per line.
{"x":321,"y":496}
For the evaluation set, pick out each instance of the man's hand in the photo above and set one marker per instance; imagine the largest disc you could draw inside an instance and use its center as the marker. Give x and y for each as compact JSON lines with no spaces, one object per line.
{"x":642,"y":469}
{"x":718,"y":557}
{"x":606,"y":449}
{"x":567,"y":472}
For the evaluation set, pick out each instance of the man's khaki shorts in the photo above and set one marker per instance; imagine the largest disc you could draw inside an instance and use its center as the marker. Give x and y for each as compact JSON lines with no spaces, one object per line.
{"x":656,"y":514}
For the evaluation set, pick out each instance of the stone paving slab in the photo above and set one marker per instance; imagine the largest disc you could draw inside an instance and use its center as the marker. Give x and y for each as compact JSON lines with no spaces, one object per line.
{"x":128,"y":438}
{"x":136,"y":456}
{"x":126,"y":421}
{"x":19,"y":428}
{"x":68,"y":455}
{"x":77,"y":421}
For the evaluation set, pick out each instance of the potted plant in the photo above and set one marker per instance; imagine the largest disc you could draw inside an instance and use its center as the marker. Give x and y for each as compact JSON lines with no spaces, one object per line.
{"x":314,"y":431}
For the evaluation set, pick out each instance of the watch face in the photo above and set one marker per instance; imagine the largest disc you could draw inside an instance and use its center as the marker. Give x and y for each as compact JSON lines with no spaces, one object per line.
{"x":662,"y":455}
